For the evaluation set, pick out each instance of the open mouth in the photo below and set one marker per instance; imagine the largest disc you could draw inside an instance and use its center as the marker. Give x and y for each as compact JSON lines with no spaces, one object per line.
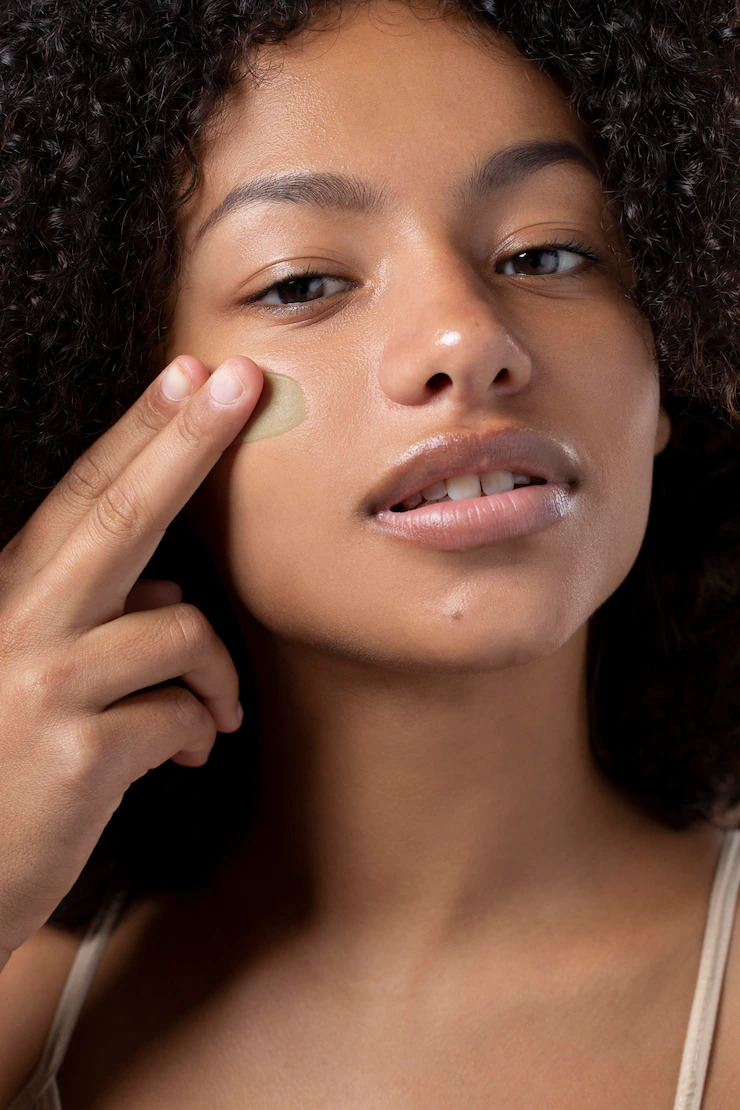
{"x":467,"y":486}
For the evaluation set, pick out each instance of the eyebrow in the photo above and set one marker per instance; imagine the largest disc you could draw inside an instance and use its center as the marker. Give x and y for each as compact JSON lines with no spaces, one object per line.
{"x":334,"y":192}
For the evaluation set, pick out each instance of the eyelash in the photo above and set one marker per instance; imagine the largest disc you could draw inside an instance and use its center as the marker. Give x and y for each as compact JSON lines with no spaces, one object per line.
{"x":309,"y":272}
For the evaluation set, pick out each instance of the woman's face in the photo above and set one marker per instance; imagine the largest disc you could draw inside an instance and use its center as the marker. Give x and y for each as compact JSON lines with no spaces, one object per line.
{"x":420,"y":326}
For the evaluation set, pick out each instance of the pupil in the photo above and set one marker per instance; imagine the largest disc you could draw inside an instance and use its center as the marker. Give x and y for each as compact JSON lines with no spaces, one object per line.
{"x":300,"y":286}
{"x":538,"y":254}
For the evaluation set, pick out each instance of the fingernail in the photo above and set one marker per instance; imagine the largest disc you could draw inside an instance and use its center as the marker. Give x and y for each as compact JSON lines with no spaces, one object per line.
{"x":176,"y":383}
{"x":227,"y":384}
{"x":240,"y":711}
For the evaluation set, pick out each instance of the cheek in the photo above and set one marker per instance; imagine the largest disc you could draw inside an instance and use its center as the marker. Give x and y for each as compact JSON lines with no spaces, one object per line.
{"x":279,"y":517}
{"x":274,"y":517}
{"x":619,"y":405}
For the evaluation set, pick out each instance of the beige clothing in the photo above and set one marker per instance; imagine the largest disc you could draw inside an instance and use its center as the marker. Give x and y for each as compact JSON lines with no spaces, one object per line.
{"x":41,"y":1092}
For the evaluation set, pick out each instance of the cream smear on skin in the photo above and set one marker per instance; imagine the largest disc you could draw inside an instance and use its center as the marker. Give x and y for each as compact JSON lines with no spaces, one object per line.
{"x":281,"y":406}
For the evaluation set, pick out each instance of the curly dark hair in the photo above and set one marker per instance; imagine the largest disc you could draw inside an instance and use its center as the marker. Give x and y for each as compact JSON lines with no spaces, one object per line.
{"x":103,"y":104}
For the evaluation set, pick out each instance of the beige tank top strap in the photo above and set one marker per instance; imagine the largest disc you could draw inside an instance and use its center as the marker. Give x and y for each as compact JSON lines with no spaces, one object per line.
{"x":73,"y":996}
{"x":715,"y":948}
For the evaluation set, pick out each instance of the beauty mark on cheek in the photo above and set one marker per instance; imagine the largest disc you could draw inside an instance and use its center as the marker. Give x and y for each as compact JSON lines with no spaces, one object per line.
{"x":281,"y":406}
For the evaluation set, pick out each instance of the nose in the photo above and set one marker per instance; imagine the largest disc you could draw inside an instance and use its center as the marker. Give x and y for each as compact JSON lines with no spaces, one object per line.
{"x":448,"y":334}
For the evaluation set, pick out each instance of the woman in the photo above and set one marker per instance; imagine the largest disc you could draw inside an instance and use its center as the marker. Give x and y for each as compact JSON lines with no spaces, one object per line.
{"x":461,"y":851}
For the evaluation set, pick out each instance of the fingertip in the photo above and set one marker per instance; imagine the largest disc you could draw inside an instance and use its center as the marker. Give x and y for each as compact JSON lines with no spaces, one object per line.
{"x":190,"y":759}
{"x":247,"y":359}
{"x":244,"y":366}
{"x":198,"y":371}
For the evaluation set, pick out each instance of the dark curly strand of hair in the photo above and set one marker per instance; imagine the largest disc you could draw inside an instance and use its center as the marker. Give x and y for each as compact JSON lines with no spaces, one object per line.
{"x":103,"y":103}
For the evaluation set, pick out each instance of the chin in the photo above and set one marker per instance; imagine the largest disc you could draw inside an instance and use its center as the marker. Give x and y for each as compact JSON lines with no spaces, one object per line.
{"x":464,"y":642}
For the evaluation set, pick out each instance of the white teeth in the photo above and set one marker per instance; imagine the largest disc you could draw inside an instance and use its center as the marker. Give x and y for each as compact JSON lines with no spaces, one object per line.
{"x":497,"y":481}
{"x":466,"y":485}
{"x":435,"y":492}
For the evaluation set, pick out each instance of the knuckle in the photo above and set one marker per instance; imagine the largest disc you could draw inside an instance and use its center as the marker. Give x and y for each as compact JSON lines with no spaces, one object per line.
{"x":24,"y":629}
{"x":76,"y":753}
{"x":47,"y":684}
{"x":149,"y":414}
{"x":65,"y":751}
{"x":189,"y":627}
{"x":191,"y":715}
{"x":190,"y":427}
{"x":117,"y":509}
{"x":85,"y":481}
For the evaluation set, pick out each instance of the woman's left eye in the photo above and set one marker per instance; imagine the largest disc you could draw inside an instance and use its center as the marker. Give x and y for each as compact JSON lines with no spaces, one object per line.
{"x":299,"y":285}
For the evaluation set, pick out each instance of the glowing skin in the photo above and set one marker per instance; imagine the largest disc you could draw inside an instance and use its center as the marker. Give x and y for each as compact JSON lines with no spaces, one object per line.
{"x":282,"y":406}
{"x":424,"y":730}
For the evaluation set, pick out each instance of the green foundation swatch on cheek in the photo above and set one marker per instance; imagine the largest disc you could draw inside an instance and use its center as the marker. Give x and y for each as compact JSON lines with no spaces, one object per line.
{"x":281,"y":407}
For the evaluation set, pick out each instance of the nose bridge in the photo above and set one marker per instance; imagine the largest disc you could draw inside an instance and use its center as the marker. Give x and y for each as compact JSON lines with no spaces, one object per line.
{"x":447,"y":329}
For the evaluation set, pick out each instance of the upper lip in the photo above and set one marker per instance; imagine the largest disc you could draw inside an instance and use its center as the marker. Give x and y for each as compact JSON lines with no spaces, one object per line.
{"x":449,"y":455}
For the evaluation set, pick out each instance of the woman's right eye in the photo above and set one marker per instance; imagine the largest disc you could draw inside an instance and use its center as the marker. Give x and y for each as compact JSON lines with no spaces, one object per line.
{"x":302,"y":282}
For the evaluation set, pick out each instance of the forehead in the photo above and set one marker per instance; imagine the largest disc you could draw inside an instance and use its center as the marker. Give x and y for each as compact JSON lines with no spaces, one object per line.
{"x":384,"y":92}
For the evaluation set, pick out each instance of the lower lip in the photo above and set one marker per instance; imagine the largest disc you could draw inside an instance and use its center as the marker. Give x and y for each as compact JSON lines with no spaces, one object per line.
{"x":477,"y":521}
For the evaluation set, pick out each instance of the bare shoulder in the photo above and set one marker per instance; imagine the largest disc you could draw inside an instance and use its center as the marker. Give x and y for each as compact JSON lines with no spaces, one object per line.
{"x":723,"y":1072}
{"x":30,"y":986}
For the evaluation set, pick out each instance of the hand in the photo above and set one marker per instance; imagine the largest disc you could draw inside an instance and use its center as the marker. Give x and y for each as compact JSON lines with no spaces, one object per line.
{"x":79,"y":636}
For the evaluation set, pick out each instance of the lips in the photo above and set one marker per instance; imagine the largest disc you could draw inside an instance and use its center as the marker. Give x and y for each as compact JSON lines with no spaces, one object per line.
{"x":453,"y":454}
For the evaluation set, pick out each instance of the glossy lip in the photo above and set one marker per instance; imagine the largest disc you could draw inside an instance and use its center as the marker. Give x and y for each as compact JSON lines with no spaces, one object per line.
{"x":456,"y":453}
{"x":480,"y":521}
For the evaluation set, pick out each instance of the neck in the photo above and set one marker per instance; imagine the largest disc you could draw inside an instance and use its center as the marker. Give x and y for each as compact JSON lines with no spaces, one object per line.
{"x":405,"y":804}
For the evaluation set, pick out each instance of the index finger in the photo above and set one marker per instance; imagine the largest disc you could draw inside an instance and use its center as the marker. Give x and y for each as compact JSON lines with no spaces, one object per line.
{"x":92,"y":473}
{"x":94,"y":570}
